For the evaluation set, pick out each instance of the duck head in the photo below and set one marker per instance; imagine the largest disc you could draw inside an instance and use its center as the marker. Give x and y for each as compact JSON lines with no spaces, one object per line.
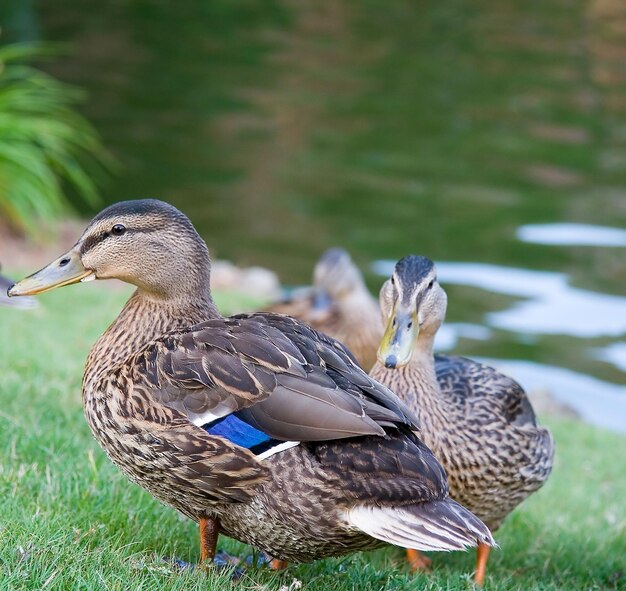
{"x":413,"y":306}
{"x":147,"y":243}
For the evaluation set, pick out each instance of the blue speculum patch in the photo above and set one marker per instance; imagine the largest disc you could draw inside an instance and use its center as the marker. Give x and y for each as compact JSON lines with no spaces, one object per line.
{"x":241,"y":433}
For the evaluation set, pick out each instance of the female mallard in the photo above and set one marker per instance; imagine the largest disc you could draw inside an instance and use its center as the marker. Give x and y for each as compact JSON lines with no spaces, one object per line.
{"x":255,"y":425}
{"x":340,"y":306}
{"x":478,"y":422}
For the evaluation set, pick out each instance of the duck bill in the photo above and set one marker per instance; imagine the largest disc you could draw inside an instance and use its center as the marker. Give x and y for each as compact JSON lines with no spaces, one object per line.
{"x":399,"y":339}
{"x":322,"y":303}
{"x":65,"y":270}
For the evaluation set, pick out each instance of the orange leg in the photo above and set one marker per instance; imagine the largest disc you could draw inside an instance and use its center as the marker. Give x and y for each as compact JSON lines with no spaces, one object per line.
{"x":482,"y":555}
{"x":277,"y":564}
{"x":417,"y":561}
{"x":209,"y":532}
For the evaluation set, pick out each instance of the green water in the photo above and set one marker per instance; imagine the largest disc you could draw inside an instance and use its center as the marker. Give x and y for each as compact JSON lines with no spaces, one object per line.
{"x":282,"y":128}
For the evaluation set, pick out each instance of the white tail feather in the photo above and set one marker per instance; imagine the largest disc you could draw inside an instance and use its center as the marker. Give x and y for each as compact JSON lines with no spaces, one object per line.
{"x":438,"y":525}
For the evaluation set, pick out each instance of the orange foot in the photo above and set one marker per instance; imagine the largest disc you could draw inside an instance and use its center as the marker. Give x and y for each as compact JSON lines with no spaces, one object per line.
{"x":417,"y":561}
{"x":482,"y":554}
{"x":276,"y":564}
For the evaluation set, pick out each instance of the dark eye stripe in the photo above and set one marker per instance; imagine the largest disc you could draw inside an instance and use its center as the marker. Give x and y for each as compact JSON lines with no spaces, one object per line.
{"x":92,"y":241}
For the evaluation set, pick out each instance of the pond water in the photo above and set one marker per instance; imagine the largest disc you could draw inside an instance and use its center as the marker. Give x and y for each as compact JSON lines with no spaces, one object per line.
{"x":490,"y":136}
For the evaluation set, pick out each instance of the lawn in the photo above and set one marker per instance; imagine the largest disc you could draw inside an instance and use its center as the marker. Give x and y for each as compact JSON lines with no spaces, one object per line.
{"x":70,"y":520}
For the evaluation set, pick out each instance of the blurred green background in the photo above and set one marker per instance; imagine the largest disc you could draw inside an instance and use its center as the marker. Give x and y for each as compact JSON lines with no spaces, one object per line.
{"x":440,"y":128}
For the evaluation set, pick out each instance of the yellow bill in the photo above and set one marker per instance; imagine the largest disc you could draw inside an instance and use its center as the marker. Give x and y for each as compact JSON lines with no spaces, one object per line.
{"x":399,"y":339}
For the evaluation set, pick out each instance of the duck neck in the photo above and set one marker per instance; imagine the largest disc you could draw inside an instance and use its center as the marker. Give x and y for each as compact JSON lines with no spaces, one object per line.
{"x":143,"y":319}
{"x":420,"y":388}
{"x":423,"y":363}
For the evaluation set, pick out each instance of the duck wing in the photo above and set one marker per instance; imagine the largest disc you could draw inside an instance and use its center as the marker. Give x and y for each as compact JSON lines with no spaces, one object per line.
{"x":274,"y":373}
{"x":485,"y":391}
{"x":394,"y":471}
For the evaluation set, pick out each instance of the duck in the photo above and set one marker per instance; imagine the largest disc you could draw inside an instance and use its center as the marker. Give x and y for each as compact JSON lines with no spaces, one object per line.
{"x":339,"y":305}
{"x":478,"y":422}
{"x":255,"y":426}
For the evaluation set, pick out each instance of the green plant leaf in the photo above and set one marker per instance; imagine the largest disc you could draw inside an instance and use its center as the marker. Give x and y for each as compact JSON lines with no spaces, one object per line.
{"x":45,"y":144}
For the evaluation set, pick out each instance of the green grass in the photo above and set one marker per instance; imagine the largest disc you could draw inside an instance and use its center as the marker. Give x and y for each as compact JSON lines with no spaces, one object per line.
{"x":70,"y":520}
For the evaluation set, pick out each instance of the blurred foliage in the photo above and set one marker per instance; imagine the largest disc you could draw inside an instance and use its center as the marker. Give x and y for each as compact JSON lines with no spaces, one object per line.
{"x":46,"y":147}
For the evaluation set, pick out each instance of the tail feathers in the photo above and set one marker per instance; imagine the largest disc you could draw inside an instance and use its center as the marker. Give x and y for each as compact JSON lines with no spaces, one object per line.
{"x":436,"y":525}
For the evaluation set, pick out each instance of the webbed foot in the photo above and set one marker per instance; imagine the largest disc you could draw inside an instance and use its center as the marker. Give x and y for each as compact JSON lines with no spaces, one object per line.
{"x":417,"y":561}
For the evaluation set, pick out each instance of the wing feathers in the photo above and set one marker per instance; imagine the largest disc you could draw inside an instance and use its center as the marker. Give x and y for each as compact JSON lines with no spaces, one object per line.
{"x":286,"y":417}
{"x":291,"y":382}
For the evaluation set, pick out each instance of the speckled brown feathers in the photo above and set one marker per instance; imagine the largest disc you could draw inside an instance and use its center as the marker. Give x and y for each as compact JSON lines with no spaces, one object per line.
{"x":513,"y":456}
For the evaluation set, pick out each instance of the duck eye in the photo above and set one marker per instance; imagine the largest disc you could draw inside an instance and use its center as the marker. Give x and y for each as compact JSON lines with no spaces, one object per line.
{"x":393,"y":280}
{"x":432,"y":282}
{"x":118,"y":230}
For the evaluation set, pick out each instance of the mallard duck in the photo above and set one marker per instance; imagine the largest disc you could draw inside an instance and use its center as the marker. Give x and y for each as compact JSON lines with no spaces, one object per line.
{"x":478,"y":422}
{"x":255,"y":426}
{"x":340,"y":306}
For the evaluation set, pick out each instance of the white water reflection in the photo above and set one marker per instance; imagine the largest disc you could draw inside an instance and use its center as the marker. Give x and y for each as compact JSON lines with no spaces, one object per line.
{"x":614,"y":354}
{"x":552,"y":305}
{"x":572,"y":235}
{"x":598,"y":402}
{"x":448,"y":335}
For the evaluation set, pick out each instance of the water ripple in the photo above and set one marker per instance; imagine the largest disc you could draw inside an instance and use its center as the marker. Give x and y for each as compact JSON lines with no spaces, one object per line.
{"x":614,"y":354}
{"x":572,"y":235}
